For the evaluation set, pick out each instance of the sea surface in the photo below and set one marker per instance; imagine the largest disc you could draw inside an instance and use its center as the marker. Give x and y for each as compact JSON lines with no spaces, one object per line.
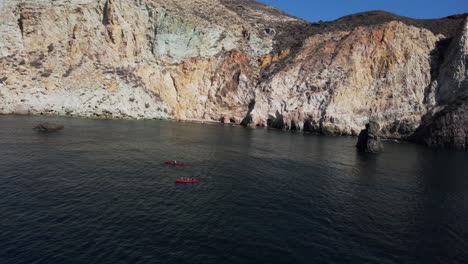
{"x":97,"y":192}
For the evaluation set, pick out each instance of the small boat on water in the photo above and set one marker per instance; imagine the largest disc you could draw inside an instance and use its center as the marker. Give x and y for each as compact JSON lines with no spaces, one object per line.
{"x":187,"y":181}
{"x":173,"y":162}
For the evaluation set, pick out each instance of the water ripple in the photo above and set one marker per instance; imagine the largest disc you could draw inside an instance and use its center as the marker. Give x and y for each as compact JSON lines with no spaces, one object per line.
{"x":98,"y":193}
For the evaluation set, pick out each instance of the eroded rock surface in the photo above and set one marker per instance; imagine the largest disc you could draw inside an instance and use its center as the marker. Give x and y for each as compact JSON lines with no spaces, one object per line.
{"x":234,"y":61}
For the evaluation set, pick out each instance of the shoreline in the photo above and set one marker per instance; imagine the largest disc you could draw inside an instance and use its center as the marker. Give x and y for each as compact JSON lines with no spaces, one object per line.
{"x":208,"y":122}
{"x":204,"y":122}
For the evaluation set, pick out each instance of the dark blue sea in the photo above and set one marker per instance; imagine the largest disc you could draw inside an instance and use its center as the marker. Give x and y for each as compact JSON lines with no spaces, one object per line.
{"x":97,"y":192}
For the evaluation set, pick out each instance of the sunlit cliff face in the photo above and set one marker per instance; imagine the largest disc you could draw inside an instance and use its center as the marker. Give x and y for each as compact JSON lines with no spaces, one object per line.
{"x":217,"y":60}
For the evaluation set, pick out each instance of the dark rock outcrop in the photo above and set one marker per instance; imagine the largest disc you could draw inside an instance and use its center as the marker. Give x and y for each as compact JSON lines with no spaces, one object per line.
{"x":369,"y":139}
{"x":448,"y":128}
{"x":48,"y":127}
{"x":363,"y":137}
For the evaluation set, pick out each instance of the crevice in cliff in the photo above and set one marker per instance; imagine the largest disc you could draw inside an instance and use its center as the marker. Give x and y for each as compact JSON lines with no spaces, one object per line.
{"x":324,"y":106}
{"x":276,"y":121}
{"x":108,"y":20}
{"x":153,"y":31}
{"x":174,"y":83}
{"x":437,"y":56}
{"x":152,"y":41}
{"x":107,"y":13}
{"x":294,"y":126}
{"x":21,"y":25}
{"x":311,"y":126}
{"x":248,"y":118}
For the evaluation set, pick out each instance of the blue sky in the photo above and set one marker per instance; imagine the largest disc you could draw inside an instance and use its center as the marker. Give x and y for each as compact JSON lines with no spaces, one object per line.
{"x":314,"y":10}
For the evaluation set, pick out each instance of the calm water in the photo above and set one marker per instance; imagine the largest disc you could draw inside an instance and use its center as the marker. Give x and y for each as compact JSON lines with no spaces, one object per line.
{"x":98,"y":193}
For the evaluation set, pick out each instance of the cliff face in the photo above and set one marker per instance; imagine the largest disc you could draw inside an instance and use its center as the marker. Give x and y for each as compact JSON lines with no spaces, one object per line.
{"x":446,"y":124}
{"x":234,"y":61}
{"x":340,"y":79}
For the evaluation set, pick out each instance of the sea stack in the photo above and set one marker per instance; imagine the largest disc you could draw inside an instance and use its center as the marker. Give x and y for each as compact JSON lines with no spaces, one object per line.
{"x":369,"y":139}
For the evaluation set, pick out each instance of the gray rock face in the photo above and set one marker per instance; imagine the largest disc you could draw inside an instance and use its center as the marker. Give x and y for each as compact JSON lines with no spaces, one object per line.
{"x":369,"y":139}
{"x":447,"y":127}
{"x":446,"y":124}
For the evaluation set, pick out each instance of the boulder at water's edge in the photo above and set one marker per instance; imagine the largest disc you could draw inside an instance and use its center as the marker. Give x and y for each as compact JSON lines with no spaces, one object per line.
{"x":48,"y":127}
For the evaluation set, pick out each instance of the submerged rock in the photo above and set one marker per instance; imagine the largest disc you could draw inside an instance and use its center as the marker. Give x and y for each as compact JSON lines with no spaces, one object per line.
{"x":48,"y":127}
{"x":369,"y":139}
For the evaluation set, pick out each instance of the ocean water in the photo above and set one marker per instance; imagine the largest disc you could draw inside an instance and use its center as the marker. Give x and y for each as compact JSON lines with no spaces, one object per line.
{"x":97,"y":192}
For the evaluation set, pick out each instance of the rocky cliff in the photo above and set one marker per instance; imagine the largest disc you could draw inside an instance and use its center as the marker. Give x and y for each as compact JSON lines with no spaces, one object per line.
{"x":235,"y":61}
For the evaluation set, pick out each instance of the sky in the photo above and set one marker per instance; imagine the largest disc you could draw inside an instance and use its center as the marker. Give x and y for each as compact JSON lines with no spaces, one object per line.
{"x":314,"y":10}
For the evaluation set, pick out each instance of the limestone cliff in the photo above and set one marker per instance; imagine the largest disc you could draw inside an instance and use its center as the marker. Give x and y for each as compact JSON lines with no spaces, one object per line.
{"x":229,"y":61}
{"x":446,"y":124}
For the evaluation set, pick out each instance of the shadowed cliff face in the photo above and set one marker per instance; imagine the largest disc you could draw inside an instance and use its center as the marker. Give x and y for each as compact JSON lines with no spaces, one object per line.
{"x":446,"y":124}
{"x":231,"y":61}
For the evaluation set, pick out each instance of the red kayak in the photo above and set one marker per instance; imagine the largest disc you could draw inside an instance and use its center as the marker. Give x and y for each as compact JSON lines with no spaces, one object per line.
{"x":186,"y":181}
{"x":174,"y":163}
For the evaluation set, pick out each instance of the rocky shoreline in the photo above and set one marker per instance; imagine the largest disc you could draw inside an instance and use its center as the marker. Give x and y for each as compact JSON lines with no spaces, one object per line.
{"x":212,"y":122}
